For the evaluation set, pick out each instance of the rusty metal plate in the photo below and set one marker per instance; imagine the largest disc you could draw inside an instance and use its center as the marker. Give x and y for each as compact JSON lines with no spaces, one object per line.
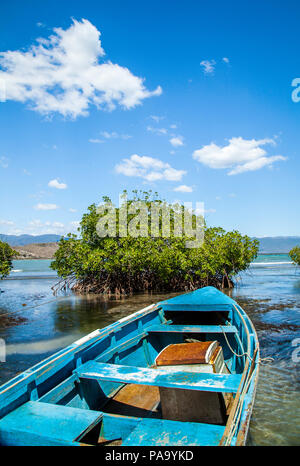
{"x":186,"y":353}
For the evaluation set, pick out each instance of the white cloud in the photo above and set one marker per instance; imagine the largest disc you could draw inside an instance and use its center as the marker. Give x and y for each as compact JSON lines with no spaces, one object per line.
{"x":225,"y":59}
{"x":176,"y":141}
{"x":173,"y":126}
{"x":208,"y":66}
{"x":157,"y":130}
{"x":6,"y":222}
{"x":46,"y":207}
{"x":4,"y":162}
{"x":156,"y":118}
{"x":184,"y":189}
{"x":72,"y":210}
{"x":62,"y":74}
{"x":149,"y":169}
{"x":114,"y":135}
{"x":37,"y":227}
{"x":96,"y":141}
{"x":239,"y":155}
{"x":56,"y":184}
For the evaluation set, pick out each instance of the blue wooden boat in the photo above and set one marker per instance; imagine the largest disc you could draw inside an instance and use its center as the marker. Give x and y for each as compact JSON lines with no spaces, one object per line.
{"x":179,"y":372}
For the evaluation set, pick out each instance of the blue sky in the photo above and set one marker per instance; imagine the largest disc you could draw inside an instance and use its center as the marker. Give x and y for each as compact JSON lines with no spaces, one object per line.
{"x":190,"y":99}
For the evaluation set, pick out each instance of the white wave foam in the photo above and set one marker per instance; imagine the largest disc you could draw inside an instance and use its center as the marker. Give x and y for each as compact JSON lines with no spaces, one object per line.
{"x":270,"y":263}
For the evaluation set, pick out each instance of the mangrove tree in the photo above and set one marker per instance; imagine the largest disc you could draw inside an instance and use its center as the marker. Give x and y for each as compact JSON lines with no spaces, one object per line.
{"x":170,"y":249}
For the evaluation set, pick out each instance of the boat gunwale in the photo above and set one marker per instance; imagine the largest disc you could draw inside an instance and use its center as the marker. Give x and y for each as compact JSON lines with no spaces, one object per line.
{"x":77,"y":345}
{"x":243,"y":426}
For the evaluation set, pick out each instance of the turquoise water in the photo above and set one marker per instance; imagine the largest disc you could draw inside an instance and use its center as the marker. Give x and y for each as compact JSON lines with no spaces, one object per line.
{"x":35,"y":324}
{"x":270,"y":259}
{"x":31,"y":268}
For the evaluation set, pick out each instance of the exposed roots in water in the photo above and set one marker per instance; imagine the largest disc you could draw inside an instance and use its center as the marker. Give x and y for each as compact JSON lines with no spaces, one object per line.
{"x":126,"y":284}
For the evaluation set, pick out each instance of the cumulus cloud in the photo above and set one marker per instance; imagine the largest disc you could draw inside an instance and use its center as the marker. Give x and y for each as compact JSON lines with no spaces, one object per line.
{"x":96,"y":141}
{"x":63,"y":74}
{"x":156,"y":118}
{"x":114,"y":135}
{"x":176,"y":141}
{"x":37,"y":227}
{"x":208,"y":66}
{"x":184,"y":189}
{"x":46,"y":207}
{"x":157,"y":130}
{"x":56,"y":184}
{"x":239,"y":155}
{"x":225,"y":59}
{"x":149,"y":169}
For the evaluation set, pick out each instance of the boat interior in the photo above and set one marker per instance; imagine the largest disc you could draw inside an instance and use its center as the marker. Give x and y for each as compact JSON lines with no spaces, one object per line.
{"x":166,"y":375}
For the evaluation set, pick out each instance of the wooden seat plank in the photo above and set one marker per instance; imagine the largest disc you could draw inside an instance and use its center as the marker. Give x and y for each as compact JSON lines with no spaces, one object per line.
{"x":226,"y":383}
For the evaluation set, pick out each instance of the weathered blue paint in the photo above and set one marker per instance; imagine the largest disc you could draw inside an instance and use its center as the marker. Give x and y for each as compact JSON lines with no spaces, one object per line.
{"x":163,"y":433}
{"x":55,"y":423}
{"x":221,"y":383}
{"x":162,"y":328}
{"x":61,"y":399}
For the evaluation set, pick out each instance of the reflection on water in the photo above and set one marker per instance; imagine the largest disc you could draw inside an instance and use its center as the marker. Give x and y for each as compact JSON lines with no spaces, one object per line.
{"x":271,"y":296}
{"x":35,"y":324}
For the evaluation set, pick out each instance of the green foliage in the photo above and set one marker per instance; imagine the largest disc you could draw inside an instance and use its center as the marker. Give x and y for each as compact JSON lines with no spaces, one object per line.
{"x":6,"y":255}
{"x":124,"y":264}
{"x":295,"y":255}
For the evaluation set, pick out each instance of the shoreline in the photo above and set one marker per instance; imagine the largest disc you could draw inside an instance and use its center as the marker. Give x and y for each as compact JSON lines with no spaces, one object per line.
{"x":36,"y":251}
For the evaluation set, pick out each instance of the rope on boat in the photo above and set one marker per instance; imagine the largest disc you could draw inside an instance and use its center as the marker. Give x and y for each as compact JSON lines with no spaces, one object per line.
{"x":231,"y":349}
{"x":265,"y":361}
{"x":261,"y":361}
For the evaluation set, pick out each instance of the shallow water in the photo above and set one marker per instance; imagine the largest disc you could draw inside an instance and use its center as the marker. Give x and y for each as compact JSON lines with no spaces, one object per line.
{"x":36,"y":324}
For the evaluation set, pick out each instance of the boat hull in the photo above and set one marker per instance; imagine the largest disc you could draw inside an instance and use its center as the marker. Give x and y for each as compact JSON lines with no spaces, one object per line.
{"x":107,"y":388}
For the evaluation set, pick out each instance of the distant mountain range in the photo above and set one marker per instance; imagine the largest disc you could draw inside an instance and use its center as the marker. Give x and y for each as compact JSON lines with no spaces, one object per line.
{"x":278,"y":244}
{"x":268,"y":244}
{"x":22,"y":240}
